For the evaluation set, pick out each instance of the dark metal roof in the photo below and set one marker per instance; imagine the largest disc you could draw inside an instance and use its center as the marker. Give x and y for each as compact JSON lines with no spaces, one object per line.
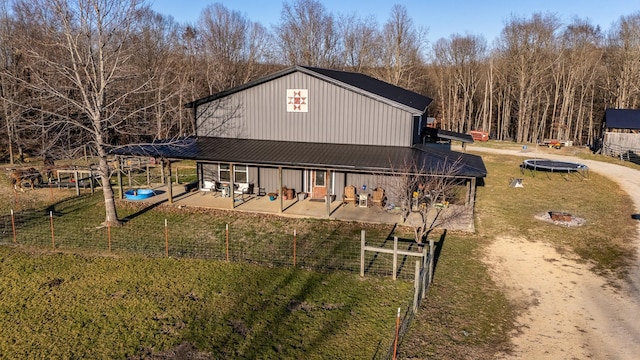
{"x":622,"y":119}
{"x":357,"y":158}
{"x":375,"y":86}
{"x":360,"y":82}
{"x":452,"y":135}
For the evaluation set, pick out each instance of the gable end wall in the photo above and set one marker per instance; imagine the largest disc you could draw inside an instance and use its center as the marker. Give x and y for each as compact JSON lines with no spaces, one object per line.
{"x":336,"y":115}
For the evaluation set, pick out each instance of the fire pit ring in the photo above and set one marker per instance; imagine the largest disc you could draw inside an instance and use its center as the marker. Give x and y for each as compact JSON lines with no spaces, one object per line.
{"x":560,"y":216}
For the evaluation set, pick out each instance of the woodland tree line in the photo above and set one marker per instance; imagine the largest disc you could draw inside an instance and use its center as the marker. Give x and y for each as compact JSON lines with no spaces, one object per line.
{"x":79,"y":75}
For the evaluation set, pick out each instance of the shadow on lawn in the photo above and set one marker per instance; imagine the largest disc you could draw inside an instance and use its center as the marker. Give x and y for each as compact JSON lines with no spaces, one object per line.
{"x":146,"y":208}
{"x":438,"y":249}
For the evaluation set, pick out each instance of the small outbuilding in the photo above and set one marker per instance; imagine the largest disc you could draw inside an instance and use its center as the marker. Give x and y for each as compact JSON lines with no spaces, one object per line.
{"x":621,"y":133}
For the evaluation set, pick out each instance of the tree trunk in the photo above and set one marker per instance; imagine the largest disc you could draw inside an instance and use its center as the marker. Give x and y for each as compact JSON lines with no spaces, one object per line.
{"x":111,"y":212}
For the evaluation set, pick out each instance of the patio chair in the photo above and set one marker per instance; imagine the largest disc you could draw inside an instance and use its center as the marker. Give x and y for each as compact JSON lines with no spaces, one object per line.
{"x":378,"y":197}
{"x":242,"y":189}
{"x":350,"y":195}
{"x":208,"y":186}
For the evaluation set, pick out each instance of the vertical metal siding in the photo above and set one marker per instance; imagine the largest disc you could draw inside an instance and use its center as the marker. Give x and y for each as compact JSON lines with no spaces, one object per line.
{"x":269,"y":179}
{"x":210,"y":172}
{"x":338,"y":185}
{"x":291,"y":178}
{"x":336,"y":115}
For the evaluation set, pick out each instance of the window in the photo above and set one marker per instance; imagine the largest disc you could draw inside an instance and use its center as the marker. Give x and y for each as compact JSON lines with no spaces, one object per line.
{"x":241,"y":173}
{"x":319,"y":178}
{"x":224,"y":174}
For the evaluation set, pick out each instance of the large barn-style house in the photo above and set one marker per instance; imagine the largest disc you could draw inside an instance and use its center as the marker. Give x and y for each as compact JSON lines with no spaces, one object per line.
{"x":315,"y":131}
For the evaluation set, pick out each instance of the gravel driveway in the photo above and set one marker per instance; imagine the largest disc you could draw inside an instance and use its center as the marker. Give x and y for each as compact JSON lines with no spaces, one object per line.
{"x":571,"y":313}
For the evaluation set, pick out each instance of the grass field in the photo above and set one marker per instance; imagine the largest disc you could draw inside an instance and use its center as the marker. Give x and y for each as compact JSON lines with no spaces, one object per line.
{"x":77,"y":303}
{"x":82,"y":301}
{"x":68,"y":306}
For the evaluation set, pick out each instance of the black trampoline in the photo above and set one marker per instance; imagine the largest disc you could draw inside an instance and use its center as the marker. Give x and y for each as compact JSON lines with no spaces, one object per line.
{"x":554,"y":166}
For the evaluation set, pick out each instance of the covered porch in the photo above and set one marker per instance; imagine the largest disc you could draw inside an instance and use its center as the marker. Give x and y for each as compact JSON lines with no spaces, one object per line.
{"x":462,"y":215}
{"x":323,"y":171}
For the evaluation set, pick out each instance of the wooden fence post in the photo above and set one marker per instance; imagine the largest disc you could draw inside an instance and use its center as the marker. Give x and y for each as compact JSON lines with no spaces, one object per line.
{"x":166,"y":238}
{"x":395,"y":342}
{"x":395,"y":257}
{"x":13,"y":226}
{"x":109,"y":232}
{"x":363,"y":243}
{"x":227,"y":239}
{"x":416,"y":287}
{"x":431,"y":260}
{"x":77,"y":181}
{"x":53,"y":239}
{"x":424,"y":272}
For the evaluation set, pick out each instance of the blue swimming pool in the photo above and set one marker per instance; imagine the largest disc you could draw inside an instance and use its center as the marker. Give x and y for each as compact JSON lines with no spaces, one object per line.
{"x":138,"y":194}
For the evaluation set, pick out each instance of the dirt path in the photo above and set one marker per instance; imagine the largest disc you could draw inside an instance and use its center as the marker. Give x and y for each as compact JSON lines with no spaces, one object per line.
{"x":571,"y":313}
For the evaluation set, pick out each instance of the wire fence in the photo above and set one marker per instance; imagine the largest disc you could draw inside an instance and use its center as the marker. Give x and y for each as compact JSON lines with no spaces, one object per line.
{"x":251,"y":239}
{"x":422,"y":281}
{"x":257,"y":239}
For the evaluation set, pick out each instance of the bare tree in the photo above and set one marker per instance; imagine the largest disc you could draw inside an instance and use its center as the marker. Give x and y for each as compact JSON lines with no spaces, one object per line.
{"x":462,"y":59}
{"x":402,"y":45}
{"x":306,"y":34}
{"x":623,"y":52}
{"x":424,"y":194}
{"x":232,"y":47}
{"x":360,"y":43}
{"x":84,"y":51}
{"x":575,"y":76}
{"x":10,"y":62}
{"x":158,"y":61}
{"x":528,"y":49}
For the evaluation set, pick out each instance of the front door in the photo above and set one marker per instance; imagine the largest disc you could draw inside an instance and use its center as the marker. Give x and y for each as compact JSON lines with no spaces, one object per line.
{"x":319,"y":184}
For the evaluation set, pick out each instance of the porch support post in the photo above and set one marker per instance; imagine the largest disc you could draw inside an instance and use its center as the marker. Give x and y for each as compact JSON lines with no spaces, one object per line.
{"x":232,"y":195}
{"x":119,"y":172}
{"x":329,"y":185}
{"x":169,"y":185}
{"x":199,"y":174}
{"x":280,"y":189}
{"x":472,"y":192}
{"x":162,"y":181}
{"x":77,"y":181}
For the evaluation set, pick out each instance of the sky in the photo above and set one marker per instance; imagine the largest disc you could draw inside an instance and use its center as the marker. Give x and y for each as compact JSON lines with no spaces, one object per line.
{"x":441,"y":18}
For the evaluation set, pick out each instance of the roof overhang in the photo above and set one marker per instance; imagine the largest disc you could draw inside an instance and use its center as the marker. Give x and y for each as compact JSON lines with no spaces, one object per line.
{"x":341,"y":157}
{"x":452,"y":135}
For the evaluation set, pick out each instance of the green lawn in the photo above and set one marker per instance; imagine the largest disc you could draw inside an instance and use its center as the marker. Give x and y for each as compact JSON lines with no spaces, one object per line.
{"x":58,"y":305}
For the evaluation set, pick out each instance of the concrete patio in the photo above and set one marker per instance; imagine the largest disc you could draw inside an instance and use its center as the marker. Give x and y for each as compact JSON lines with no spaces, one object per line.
{"x":307,"y":208}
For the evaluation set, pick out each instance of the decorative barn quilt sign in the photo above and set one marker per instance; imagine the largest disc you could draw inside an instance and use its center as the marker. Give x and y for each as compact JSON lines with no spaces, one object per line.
{"x":297,"y":100}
